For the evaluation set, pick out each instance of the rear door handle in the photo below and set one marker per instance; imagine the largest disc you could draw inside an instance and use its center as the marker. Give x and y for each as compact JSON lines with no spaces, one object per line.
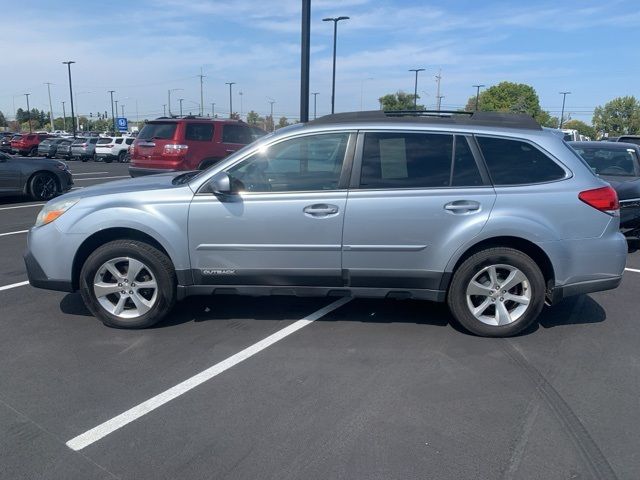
{"x":462,"y":206}
{"x":320,"y":210}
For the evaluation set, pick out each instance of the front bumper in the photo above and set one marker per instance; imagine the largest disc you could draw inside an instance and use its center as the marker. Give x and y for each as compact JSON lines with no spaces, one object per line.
{"x":39,"y":279}
{"x":140,"y":171}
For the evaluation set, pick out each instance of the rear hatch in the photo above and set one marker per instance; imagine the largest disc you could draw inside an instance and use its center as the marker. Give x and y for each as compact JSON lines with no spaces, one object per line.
{"x":104,"y":146}
{"x":148,"y":149}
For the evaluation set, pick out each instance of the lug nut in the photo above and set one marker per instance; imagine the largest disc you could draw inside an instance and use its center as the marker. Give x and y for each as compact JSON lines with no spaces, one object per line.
{"x":119,"y":284}
{"x":123,"y":292}
{"x":130,"y":292}
{"x":501,"y":299}
{"x":133,"y":284}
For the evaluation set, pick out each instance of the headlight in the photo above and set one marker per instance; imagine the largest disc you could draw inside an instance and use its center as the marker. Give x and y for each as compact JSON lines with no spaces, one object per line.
{"x":53,"y":210}
{"x":62,"y":166}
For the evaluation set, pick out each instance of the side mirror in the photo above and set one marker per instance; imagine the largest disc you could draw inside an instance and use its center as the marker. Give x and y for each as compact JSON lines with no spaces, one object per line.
{"x":220,"y":184}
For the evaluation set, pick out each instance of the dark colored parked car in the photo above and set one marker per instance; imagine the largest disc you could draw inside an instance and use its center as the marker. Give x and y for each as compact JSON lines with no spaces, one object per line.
{"x":64,"y":149}
{"x":48,"y":147}
{"x":5,"y":141}
{"x":28,"y":143}
{"x":188,"y":143}
{"x":40,"y":178}
{"x":619,"y":164}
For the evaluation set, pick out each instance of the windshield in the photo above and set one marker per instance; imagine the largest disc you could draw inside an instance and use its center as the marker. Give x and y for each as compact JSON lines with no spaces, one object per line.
{"x":161,"y":130}
{"x":604,"y":161}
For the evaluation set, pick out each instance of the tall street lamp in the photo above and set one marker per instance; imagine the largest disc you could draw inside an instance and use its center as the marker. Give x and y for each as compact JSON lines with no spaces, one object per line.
{"x":28,"y":111}
{"x":64,"y":118}
{"x":335,"y":38}
{"x":415,"y":87}
{"x":477,"y":87}
{"x":315,"y":96}
{"x":164,"y":109}
{"x":73,"y":118}
{"x":213,"y":110}
{"x":230,"y":98}
{"x":169,"y":95}
{"x":48,"y":84}
{"x":564,"y":96}
{"x":122,"y":108}
{"x":113,"y":116}
{"x":181,"y":100}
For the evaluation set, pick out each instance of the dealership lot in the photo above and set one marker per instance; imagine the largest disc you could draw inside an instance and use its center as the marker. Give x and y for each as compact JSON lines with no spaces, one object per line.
{"x":363,"y":389}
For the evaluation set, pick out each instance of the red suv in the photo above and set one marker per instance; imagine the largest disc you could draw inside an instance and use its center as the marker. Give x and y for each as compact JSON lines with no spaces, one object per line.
{"x":28,"y":143}
{"x":187,"y":143}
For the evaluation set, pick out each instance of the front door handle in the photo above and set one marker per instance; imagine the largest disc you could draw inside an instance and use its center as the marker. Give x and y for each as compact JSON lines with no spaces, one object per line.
{"x":462,"y":206}
{"x":320,"y":210}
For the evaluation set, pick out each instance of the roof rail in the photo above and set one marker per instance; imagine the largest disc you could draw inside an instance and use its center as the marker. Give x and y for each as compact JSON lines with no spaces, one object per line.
{"x":461,"y":117}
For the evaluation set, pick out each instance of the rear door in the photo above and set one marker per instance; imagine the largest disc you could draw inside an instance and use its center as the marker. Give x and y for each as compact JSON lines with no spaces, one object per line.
{"x":199,"y":137}
{"x":415,"y":198}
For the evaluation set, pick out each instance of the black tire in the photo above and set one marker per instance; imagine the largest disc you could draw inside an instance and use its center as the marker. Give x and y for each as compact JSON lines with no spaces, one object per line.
{"x":84,"y":159}
{"x":107,"y":159}
{"x":159,"y":268}
{"x":43,"y":186}
{"x":33,"y":152}
{"x":121,"y":156}
{"x":534,"y":287}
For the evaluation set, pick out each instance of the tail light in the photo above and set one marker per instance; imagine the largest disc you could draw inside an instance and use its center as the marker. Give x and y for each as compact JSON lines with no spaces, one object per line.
{"x":108,"y":146}
{"x":83,"y":144}
{"x":604,"y":199}
{"x":173,"y":150}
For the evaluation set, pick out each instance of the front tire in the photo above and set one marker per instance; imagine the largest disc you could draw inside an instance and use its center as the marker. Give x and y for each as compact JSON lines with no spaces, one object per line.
{"x":43,"y":186}
{"x":128,"y":284}
{"x":497,"y":292}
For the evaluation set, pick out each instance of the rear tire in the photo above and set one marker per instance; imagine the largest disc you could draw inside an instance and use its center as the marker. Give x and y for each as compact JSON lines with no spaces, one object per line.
{"x":121,"y":156}
{"x":43,"y":186}
{"x":33,"y":152}
{"x":111,"y":279}
{"x":497,"y":292}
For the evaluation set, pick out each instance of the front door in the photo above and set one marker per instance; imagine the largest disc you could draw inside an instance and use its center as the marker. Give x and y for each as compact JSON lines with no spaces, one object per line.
{"x":10,"y":176}
{"x":284,"y":226}
{"x":416,"y":198}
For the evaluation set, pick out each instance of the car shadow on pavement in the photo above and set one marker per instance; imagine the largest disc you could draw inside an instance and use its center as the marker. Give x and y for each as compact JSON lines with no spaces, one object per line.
{"x":572,"y":311}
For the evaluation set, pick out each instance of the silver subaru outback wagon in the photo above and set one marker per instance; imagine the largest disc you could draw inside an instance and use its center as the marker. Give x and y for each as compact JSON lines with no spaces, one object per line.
{"x":486,"y":211}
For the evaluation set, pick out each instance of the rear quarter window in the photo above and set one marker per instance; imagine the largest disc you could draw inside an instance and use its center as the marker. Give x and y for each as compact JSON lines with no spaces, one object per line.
{"x":199,"y":132}
{"x":514,"y":162}
{"x":236,"y":134}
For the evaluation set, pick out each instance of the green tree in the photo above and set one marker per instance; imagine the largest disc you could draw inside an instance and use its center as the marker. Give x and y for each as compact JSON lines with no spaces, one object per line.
{"x":399,"y":101}
{"x":253,"y":118}
{"x":581,"y":127}
{"x":512,"y":97}
{"x":620,"y":116}
{"x":3,"y":120}
{"x":268,"y":123}
{"x":283,"y":122}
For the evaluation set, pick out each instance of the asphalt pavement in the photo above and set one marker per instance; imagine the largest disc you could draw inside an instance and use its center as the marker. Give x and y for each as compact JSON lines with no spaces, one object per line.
{"x":296,"y":388}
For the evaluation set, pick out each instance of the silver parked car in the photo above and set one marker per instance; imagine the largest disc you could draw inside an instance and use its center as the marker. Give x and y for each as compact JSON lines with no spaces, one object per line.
{"x":486,"y":211}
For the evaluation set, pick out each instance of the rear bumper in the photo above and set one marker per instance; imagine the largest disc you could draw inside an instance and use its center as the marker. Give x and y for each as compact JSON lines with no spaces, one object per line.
{"x":140,"y":171}
{"x":580,"y":288}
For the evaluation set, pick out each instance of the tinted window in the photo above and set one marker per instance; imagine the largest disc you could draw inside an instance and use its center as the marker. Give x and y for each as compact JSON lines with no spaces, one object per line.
{"x":104,"y":141}
{"x":162,"y":131}
{"x":604,"y":161}
{"x":406,"y":160}
{"x":129,"y":141}
{"x":512,"y":162}
{"x":236,"y":134}
{"x":301,"y":164}
{"x":635,"y":140}
{"x":78,"y":141}
{"x":118,"y":141}
{"x":202,"y":132}
{"x":93,"y":141}
{"x":465,"y":170}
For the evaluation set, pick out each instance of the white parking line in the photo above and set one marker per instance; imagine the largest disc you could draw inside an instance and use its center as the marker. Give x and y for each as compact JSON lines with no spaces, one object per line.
{"x":13,"y":233}
{"x":14,"y":285}
{"x":88,"y":173}
{"x":110,"y":426}
{"x":23,"y":206}
{"x":632,"y":270}
{"x":102,"y":178}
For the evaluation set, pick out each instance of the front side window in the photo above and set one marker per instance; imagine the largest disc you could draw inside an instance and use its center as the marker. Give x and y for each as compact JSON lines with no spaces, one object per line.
{"x":514,"y":162}
{"x":308,"y":163}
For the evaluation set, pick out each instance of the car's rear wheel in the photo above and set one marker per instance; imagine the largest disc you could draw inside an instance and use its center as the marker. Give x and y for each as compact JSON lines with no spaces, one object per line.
{"x":121,"y":156}
{"x":43,"y":186}
{"x":497,"y":292}
{"x":33,"y":152}
{"x":128,"y":284}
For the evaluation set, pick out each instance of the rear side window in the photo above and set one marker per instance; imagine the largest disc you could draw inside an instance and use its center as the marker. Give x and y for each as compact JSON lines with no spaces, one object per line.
{"x":200,"y":132}
{"x":513,"y":162}
{"x":104,"y":141}
{"x":118,"y":141}
{"x":161,"y":131}
{"x":236,"y":134}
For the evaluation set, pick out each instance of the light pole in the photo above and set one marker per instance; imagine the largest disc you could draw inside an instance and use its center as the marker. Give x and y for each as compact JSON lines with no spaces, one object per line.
{"x":181,"y":100}
{"x":335,"y":38}
{"x":201,"y":109}
{"x":164,"y":109}
{"x":76,"y":100}
{"x":169,"y":94}
{"x":122,"y":108}
{"x":240,"y":93}
{"x":73,"y":118}
{"x":273,"y":123}
{"x":315,"y":96}
{"x":116,"y":102}
{"x":113,"y":116}
{"x":477,"y":87}
{"x":230,"y":98}
{"x":48,"y":84}
{"x":415,"y":87}
{"x":64,"y":118}
{"x":28,"y":111}
{"x":213,"y":110}
{"x":564,"y":96}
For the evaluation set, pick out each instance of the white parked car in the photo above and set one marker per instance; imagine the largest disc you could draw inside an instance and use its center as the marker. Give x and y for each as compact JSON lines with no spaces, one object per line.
{"x":109,"y":149}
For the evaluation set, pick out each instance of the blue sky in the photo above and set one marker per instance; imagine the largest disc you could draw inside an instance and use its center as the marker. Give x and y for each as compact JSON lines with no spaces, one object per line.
{"x":143,"y":48}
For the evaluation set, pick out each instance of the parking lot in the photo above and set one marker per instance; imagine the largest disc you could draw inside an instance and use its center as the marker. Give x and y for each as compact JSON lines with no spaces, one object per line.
{"x":234,"y":387}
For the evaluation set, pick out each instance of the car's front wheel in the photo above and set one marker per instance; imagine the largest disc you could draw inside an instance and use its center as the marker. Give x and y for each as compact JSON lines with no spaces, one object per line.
{"x":128,"y":284}
{"x":43,"y":186}
{"x":497,"y":292}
